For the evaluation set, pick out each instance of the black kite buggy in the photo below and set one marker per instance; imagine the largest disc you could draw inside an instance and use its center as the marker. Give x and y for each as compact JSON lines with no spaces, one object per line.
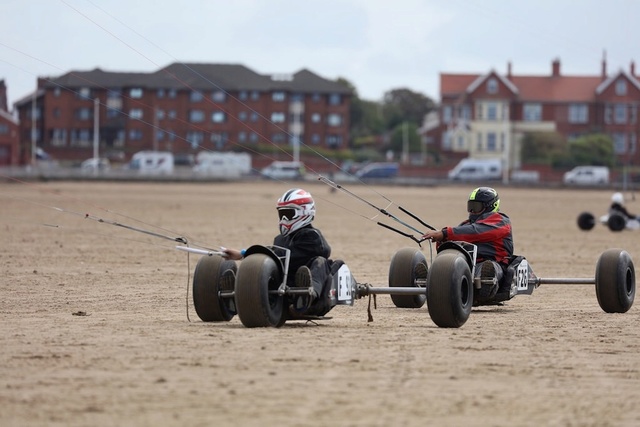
{"x":261,"y":298}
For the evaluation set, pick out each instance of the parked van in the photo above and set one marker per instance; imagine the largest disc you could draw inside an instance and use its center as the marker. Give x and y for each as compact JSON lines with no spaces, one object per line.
{"x":222,"y":164}
{"x":587,"y":175}
{"x":477,"y":169}
{"x":152,"y":162}
{"x":378,"y":170}
{"x":284,"y":170}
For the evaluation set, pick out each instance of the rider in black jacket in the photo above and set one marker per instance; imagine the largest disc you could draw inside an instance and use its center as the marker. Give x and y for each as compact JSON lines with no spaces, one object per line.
{"x":309,"y":263}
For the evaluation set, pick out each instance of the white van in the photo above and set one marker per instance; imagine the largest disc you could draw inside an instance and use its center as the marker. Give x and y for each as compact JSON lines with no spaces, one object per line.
{"x":587,"y":175}
{"x":477,"y":170}
{"x":222,"y":164}
{"x":284,"y":170}
{"x":152,"y":162}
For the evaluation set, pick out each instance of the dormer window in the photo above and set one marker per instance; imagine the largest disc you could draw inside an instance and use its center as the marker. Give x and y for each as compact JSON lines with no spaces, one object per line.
{"x":492,"y":86}
{"x":621,"y":87}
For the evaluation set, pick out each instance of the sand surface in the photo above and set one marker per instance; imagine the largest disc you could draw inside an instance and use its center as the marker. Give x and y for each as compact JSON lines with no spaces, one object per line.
{"x":98,"y":327}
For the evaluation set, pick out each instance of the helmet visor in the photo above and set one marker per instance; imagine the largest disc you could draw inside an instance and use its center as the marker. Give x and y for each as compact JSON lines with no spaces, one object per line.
{"x":475,"y":207}
{"x":286,"y":213}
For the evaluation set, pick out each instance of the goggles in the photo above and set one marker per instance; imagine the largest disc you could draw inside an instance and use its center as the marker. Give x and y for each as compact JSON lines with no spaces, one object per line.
{"x":475,"y":207}
{"x":287,"y":213}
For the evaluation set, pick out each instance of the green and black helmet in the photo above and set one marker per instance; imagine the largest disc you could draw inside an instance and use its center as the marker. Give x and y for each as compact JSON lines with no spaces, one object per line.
{"x":483,"y":199}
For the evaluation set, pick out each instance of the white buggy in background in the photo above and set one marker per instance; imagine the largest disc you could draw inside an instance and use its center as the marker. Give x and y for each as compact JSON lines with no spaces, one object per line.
{"x":260,"y":296}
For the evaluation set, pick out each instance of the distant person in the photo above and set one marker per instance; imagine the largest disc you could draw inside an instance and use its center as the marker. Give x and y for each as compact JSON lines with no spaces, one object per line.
{"x":488,"y":229}
{"x":617,"y":206}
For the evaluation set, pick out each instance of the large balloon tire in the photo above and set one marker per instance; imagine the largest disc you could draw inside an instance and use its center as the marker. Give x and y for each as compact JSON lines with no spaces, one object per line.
{"x":615,"y":281}
{"x":616,"y":222}
{"x":257,"y":307}
{"x":450,"y":289}
{"x":206,"y":290}
{"x":407,"y":265}
{"x":586,"y":221}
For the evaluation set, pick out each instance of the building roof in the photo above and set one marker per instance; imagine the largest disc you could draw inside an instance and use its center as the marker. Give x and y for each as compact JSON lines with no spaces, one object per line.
{"x":550,"y":88}
{"x":200,"y":76}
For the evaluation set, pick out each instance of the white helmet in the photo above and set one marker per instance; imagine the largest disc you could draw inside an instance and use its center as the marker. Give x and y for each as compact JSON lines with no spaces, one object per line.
{"x":295,"y":210}
{"x":617,"y":198}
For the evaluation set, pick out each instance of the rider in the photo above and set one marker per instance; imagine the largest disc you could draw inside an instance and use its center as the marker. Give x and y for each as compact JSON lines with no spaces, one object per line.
{"x":617,"y":206}
{"x":309,"y":263}
{"x":490,"y":230}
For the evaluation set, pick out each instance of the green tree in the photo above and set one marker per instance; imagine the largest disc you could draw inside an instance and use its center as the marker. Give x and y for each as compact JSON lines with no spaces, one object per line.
{"x":543,"y":148}
{"x":595,"y":149}
{"x":409,"y":131}
{"x":400,"y":105}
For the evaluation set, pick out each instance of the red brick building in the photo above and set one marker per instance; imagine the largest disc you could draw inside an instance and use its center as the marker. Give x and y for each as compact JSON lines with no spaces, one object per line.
{"x":8,"y":131}
{"x":487,"y":115}
{"x":183,"y":108}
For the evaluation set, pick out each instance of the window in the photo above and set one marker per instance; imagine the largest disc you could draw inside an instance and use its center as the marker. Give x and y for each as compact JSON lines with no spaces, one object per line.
{"x":316,"y":97}
{"x":4,"y":129}
{"x":315,"y":139}
{"x":278,"y":96}
{"x":446,"y":114}
{"x":172,"y":93}
{"x":159,"y":134}
{"x":254,"y":116}
{"x":620,"y":113}
{"x":56,"y":91}
{"x":492,"y":111}
{"x":316,"y":118}
{"x":160,"y":93}
{"x":532,"y":112}
{"x":218,"y":96}
{"x":621,"y":87}
{"x":277,"y":117}
{"x":83,"y":113}
{"x":242,"y":136}
{"x":335,"y":99}
{"x":218,"y":117}
{"x":619,"y":143}
{"x":196,"y":116}
{"x":242,"y":116}
{"x":278,"y":138}
{"x":172,"y":114}
{"x":243,"y":95}
{"x":195,"y":96}
{"x":253,"y":137}
{"x":465,"y":113}
{"x":195,"y":138}
{"x":255,"y":95}
{"x":84,"y":93}
{"x":491,"y":141}
{"x":334,"y":120}
{"x":159,"y":114}
{"x":81,"y":137}
{"x":135,"y":114}
{"x":218,"y":139}
{"x":334,"y":141}
{"x":492,"y":86}
{"x":135,"y":134}
{"x":479,"y":142}
{"x":578,"y":113}
{"x":135,"y":93}
{"x":59,"y":137}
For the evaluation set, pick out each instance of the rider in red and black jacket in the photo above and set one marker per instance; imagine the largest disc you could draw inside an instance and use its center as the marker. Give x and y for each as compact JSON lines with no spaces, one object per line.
{"x":487,"y":228}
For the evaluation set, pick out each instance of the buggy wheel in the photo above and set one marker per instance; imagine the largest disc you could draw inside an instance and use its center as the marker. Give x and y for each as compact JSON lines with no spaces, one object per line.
{"x":209,"y":306}
{"x":616,"y":222}
{"x":257,"y":307}
{"x":449,"y":289}
{"x":615,"y":281}
{"x":408,"y":269}
{"x":586,"y":221}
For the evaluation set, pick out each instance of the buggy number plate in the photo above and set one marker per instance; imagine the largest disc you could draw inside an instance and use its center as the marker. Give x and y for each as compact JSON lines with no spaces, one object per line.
{"x":522,"y":275}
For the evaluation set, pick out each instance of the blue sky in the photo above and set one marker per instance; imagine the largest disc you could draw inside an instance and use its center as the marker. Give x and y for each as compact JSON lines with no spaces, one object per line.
{"x":377,"y":45}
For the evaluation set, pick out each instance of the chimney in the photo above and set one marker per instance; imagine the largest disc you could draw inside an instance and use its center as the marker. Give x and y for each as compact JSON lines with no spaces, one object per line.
{"x":555,"y":68}
{"x":3,"y":96}
{"x":604,"y":65}
{"x":509,"y":70}
{"x":632,"y":68}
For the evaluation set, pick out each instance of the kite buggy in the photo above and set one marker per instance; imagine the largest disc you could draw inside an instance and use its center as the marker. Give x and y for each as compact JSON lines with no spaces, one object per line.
{"x":260,"y":297}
